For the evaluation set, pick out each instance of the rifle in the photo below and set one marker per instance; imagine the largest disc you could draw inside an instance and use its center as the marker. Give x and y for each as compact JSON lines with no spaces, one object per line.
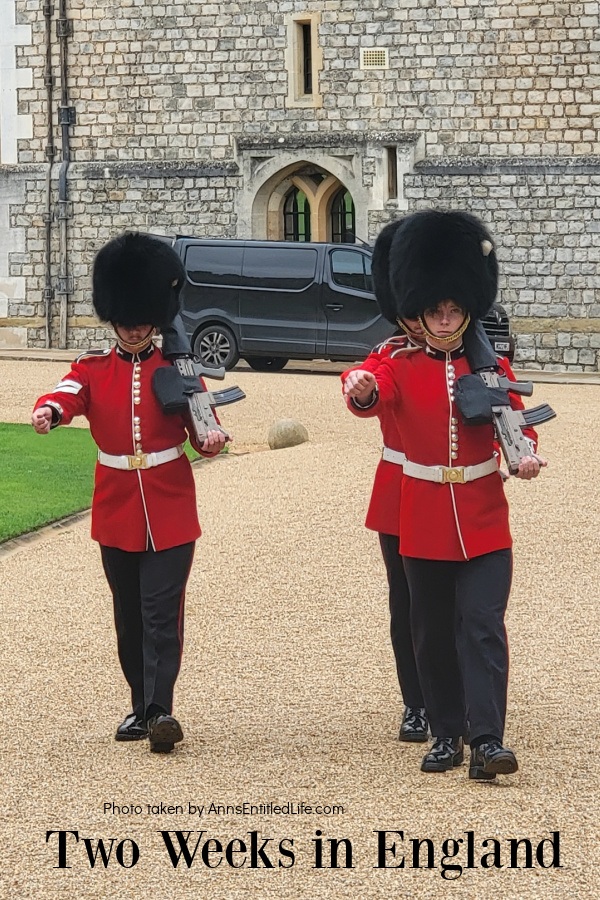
{"x":178,"y":388}
{"x":482,"y":398}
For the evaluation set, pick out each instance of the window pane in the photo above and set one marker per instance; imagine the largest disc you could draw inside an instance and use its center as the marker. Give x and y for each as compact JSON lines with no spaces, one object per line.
{"x":368,"y":276}
{"x":343,"y":218}
{"x":214,"y":265}
{"x":392,"y":168}
{"x":296,"y":216}
{"x":278,"y":268}
{"x":348,"y":270}
{"x":307,"y":58}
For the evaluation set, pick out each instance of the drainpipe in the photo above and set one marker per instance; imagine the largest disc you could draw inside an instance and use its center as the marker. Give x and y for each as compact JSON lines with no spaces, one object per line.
{"x":50,"y":150}
{"x":66,"y":118}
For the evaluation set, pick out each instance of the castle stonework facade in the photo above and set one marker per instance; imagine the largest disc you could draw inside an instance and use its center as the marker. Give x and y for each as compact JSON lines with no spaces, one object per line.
{"x":288,"y":119}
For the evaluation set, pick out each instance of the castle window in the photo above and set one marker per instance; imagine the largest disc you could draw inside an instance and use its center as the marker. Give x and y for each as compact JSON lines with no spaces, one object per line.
{"x":343,"y":219}
{"x":296,"y":216}
{"x":306,"y":57}
{"x":304,"y":60}
{"x":392,"y":173}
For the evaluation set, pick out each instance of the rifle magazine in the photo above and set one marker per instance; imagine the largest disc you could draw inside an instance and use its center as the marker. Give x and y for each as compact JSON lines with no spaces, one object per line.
{"x":539,"y":414}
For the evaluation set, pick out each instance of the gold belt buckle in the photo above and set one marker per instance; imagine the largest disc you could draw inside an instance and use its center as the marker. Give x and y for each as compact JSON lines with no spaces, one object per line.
{"x":138,"y":462}
{"x":453,"y":476}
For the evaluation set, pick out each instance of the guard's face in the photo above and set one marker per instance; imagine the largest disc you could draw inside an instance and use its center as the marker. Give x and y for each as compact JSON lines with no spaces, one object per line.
{"x":444,"y":319}
{"x":133,"y":334}
{"x":414,"y":326}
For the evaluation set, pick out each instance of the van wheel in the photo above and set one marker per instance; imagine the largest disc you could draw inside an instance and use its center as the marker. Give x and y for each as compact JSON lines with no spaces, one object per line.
{"x":216,"y":346}
{"x":266,"y":363}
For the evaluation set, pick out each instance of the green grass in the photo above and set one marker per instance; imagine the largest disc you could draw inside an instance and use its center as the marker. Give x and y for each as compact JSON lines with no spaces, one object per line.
{"x":45,"y":477}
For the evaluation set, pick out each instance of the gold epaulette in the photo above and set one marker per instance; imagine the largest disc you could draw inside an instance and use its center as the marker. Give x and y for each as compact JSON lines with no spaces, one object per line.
{"x":87,"y":353}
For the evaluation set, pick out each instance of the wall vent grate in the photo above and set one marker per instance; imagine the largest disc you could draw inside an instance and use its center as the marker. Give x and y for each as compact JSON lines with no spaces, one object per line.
{"x":374,"y":58}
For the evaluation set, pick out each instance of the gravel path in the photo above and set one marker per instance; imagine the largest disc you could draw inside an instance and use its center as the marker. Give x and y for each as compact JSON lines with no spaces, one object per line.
{"x":287,"y":690}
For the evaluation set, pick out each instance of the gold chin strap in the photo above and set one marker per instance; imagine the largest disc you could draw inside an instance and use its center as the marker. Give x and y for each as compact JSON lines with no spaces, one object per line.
{"x":451,"y":337}
{"x":136,"y":348}
{"x":407,"y":330}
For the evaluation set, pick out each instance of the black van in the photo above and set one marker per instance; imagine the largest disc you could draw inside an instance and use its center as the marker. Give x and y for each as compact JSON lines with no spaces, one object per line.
{"x":271,"y":301}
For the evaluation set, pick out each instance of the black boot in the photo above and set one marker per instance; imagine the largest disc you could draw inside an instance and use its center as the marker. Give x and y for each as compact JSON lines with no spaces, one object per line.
{"x":491,"y":759}
{"x":132,"y":728}
{"x":164,"y":732}
{"x":414,"y":727}
{"x":446,"y":753}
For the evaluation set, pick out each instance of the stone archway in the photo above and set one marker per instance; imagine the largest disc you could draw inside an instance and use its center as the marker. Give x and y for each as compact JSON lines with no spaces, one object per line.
{"x":267,"y":179}
{"x":318,"y":186}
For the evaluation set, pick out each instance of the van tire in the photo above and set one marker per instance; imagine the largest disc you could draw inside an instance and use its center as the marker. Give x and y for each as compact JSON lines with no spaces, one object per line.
{"x":266,"y":363}
{"x":216,"y":346}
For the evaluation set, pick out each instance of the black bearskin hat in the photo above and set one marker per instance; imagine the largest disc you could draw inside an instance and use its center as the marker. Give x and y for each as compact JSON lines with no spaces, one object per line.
{"x":431,"y":256}
{"x":136,"y":280}
{"x":380,"y":267}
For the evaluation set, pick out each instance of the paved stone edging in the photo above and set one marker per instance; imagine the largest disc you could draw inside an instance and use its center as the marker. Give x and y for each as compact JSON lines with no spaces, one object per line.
{"x":13,"y":545}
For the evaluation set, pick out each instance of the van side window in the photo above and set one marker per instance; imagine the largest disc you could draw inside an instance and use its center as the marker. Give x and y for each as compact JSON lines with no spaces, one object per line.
{"x":268,"y":267}
{"x":220,"y":266}
{"x":351,"y":269}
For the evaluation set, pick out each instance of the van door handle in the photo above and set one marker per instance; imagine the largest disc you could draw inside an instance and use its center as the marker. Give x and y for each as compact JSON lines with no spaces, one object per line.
{"x":335,"y":306}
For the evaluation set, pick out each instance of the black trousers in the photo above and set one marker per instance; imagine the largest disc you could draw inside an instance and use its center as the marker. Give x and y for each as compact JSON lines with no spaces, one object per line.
{"x":400,"y":626}
{"x":457,"y":615}
{"x":148,"y":591}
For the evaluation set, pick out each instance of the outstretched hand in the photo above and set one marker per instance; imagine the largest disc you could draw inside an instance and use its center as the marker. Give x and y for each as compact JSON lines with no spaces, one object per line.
{"x":42,"y":419}
{"x":360,"y":384}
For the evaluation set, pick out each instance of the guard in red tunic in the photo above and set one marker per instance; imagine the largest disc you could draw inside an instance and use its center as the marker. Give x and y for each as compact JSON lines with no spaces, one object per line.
{"x":383,"y":517}
{"x":144,"y":504}
{"x":455,"y":538}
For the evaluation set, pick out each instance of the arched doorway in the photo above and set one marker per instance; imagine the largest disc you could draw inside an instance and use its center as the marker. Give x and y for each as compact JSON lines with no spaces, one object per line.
{"x":310,"y":204}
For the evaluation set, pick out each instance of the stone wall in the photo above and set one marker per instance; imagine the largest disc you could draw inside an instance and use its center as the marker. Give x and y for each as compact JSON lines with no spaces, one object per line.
{"x":21,"y":290}
{"x":497,"y":100}
{"x":15,"y":124}
{"x":176,"y":81}
{"x":546,"y":222}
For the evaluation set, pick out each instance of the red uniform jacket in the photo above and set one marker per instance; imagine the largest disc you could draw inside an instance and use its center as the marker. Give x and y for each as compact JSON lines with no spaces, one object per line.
{"x":135,"y":509}
{"x":442,"y":521}
{"x":382,"y":514}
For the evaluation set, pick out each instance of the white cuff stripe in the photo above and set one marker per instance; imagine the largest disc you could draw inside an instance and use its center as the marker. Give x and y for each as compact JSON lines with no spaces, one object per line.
{"x":68,"y":387}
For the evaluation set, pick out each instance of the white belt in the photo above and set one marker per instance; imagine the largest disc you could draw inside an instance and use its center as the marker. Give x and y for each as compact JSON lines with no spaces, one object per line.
{"x":450,"y":475}
{"x":141,"y":460}
{"x":394,"y":456}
